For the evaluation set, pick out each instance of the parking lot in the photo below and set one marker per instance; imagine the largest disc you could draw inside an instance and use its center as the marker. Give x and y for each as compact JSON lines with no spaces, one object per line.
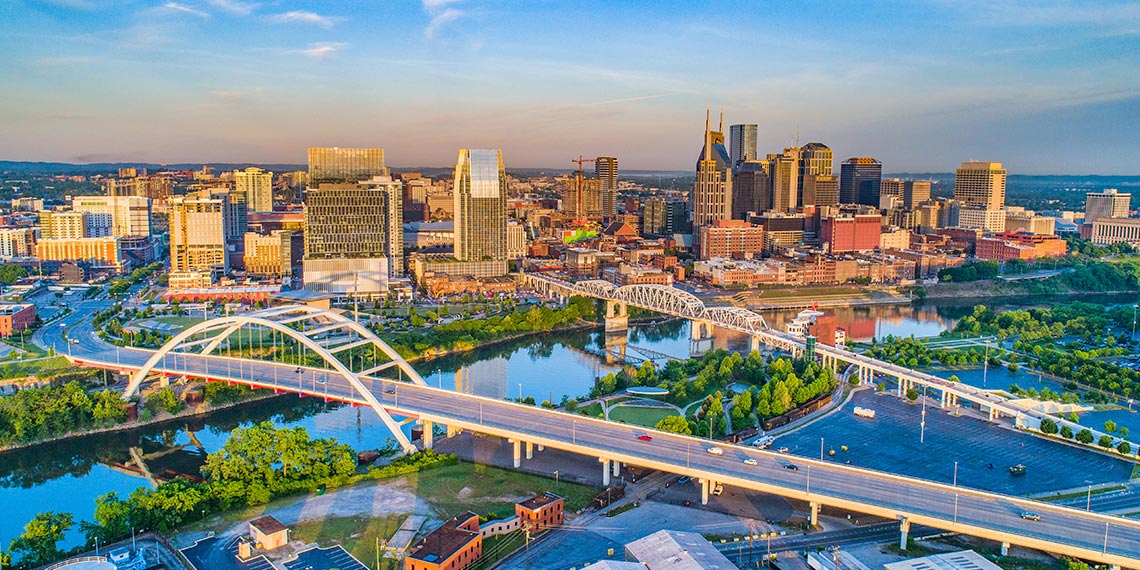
{"x":891,"y":442}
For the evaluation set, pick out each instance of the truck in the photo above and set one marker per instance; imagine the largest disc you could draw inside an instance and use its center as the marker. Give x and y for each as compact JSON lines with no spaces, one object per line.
{"x":764,"y":442}
{"x":865,"y":412}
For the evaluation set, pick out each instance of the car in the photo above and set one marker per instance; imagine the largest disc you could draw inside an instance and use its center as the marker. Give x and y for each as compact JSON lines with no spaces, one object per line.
{"x":645,"y":438}
{"x":782,"y":450}
{"x":687,"y":503}
{"x":791,"y":467}
{"x":390,"y":390}
{"x":750,"y":461}
{"x":715,"y":451}
{"x":684,"y":479}
{"x":1030,"y":516}
{"x":716,"y":491}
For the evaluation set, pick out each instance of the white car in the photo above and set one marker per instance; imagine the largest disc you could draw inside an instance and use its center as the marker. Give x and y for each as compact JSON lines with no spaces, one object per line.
{"x":715,"y":451}
{"x":750,"y":461}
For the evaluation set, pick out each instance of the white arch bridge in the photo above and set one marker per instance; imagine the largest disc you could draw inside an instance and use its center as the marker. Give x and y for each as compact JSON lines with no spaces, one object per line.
{"x":314,"y":352}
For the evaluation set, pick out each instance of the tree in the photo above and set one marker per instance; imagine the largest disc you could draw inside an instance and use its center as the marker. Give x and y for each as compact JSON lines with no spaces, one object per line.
{"x":1048,"y":426}
{"x":1110,"y":426}
{"x":1066,"y":432}
{"x":1085,"y":436}
{"x":1123,"y":431}
{"x":38,"y":544}
{"x":674,"y":424}
{"x":1124,"y":448}
{"x":912,"y":394}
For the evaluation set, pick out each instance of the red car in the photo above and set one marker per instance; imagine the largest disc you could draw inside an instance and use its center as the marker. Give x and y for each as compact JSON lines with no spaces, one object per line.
{"x":644,"y":438}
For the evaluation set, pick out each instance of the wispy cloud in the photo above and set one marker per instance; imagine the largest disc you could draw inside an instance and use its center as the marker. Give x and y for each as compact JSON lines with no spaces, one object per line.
{"x":65,"y":60}
{"x":321,"y":50}
{"x":234,"y":6}
{"x":184,"y":9}
{"x":303,"y":17}
{"x":441,"y":13}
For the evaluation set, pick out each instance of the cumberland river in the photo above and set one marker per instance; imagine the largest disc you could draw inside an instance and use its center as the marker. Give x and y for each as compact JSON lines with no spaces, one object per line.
{"x":68,"y":476}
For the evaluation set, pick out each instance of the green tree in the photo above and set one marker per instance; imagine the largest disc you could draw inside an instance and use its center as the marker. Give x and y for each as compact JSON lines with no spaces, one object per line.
{"x":1124,"y":447}
{"x":38,"y":544}
{"x":1066,"y":432}
{"x":674,"y":424}
{"x":1085,"y":436}
{"x":1105,"y":441}
{"x":912,"y":394}
{"x":1048,"y":426}
{"x":1110,"y":426}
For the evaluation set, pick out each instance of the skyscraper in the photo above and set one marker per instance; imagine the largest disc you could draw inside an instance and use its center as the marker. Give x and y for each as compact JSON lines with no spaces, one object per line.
{"x":859,"y":181}
{"x":821,"y":190}
{"x":480,"y":194}
{"x":606,"y":169}
{"x":1107,"y":204}
{"x":129,"y":215}
{"x":915,"y":192}
{"x":712,"y":190}
{"x":751,"y":189}
{"x":980,"y":184}
{"x":356,"y":221}
{"x":784,"y":172}
{"x":345,"y":165}
{"x":892,"y":188}
{"x":257,"y":185}
{"x":742,"y":143}
{"x":198,"y":236}
{"x":815,"y":158}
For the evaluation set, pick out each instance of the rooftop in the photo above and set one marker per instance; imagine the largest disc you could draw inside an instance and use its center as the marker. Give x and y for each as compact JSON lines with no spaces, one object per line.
{"x":267,"y":525}
{"x":961,"y":560}
{"x":678,"y":551}
{"x":535,"y":503}
{"x":443,"y":542}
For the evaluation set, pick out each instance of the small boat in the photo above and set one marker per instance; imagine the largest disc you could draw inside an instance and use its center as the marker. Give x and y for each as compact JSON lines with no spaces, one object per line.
{"x":1017,"y":470}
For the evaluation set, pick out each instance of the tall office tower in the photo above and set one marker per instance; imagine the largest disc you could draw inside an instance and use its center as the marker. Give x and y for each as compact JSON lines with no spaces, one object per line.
{"x":156,"y":188}
{"x":198,"y":235}
{"x":257,"y":185}
{"x":236,"y":211}
{"x":892,"y":187}
{"x":345,"y":165}
{"x":859,"y":181}
{"x":606,"y":169}
{"x":480,"y":195}
{"x":712,"y":190}
{"x":664,"y":217}
{"x":350,"y":222}
{"x":784,"y":172}
{"x":915,"y":192}
{"x":66,"y":225}
{"x":751,"y":189}
{"x":815,"y":158}
{"x":269,"y":255}
{"x":128,"y":215}
{"x":980,"y":184}
{"x":742,"y":143}
{"x":821,"y":190}
{"x":1107,"y":204}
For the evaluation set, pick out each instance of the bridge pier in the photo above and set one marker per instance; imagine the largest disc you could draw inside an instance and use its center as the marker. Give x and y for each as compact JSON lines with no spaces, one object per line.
{"x":704,"y":491}
{"x":516,"y":444}
{"x":1005,"y":549}
{"x":700,"y":337}
{"x":904,"y":532}
{"x":813,"y":507}
{"x":529,"y":450}
{"x":453,"y":431}
{"x":617,"y":316}
{"x":754,"y":344}
{"x":428,"y":433}
{"x":617,"y":467}
{"x":605,"y":471}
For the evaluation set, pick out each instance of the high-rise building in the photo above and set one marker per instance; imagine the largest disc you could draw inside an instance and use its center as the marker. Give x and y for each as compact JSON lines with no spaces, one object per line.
{"x":127,"y":215}
{"x":68,"y":225}
{"x":1106,"y":204}
{"x":355,"y":221}
{"x":198,"y":235}
{"x":236,"y":211}
{"x":156,"y":188}
{"x":850,"y":232}
{"x":915,"y":192}
{"x":821,"y":190}
{"x":1108,"y":231}
{"x":980,"y":184}
{"x":480,"y":194}
{"x":784,"y":173}
{"x":583,"y":198}
{"x":712,"y":190}
{"x":270,"y":255}
{"x":662,"y":217}
{"x":100,"y":253}
{"x":892,"y":187}
{"x":815,"y":158}
{"x":730,"y":239}
{"x":742,"y":143}
{"x":17,"y":242}
{"x":976,"y":217}
{"x":606,"y":169}
{"x":859,"y":181}
{"x":345,"y":165}
{"x":257,"y":185}
{"x":751,"y":189}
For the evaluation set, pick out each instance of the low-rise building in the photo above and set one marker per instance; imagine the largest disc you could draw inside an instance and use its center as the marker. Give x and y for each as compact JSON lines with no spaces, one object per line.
{"x":627,"y":274}
{"x":735,"y":239}
{"x":268,"y":533}
{"x":540,"y":512}
{"x":1019,"y":245}
{"x":455,"y":545}
{"x":1109,"y":231}
{"x":16,"y":318}
{"x":675,"y":550}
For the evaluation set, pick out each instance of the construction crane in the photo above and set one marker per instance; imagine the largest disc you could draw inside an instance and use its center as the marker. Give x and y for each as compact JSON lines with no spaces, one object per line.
{"x":579,"y":216}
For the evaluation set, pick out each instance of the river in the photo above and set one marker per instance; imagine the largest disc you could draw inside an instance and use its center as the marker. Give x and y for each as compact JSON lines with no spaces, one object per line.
{"x":68,"y":476}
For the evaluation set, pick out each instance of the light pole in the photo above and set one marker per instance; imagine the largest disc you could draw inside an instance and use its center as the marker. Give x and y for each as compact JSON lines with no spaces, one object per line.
{"x":986,"y":364}
{"x":520,"y":392}
{"x":1134,"y":307}
{"x":922,"y":423}
{"x":955,"y":492}
{"x":1088,"y":500}
{"x":821,"y":449}
{"x":555,"y":475}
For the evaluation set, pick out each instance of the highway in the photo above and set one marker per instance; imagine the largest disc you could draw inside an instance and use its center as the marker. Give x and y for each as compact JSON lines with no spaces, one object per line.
{"x":1062,"y":530}
{"x":871,"y":534}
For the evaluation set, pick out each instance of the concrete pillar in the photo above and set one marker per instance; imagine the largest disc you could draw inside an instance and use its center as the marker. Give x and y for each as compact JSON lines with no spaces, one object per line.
{"x":453,"y":431}
{"x":753,"y":343}
{"x":617,"y":316}
{"x":1113,"y":567}
{"x":541,"y":447}
{"x":429,"y":433}
{"x":1005,"y":549}
{"x":704,"y":491}
{"x":617,"y":467}
{"x":529,"y":450}
{"x":904,"y":530}
{"x":605,"y":471}
{"x":517,"y":452}
{"x":814,"y":508}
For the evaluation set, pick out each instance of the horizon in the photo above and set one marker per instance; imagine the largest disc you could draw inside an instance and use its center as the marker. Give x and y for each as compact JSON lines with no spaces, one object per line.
{"x":1043,"y":87}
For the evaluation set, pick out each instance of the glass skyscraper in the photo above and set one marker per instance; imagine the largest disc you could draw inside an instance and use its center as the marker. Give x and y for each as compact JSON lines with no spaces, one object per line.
{"x":480,"y":194}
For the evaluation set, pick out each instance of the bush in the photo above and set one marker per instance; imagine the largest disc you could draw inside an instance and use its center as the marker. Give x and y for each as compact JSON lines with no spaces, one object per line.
{"x":912,"y":394}
{"x":426,"y":459}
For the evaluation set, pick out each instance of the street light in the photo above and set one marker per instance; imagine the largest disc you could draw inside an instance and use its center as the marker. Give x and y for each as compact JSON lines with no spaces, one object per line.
{"x":821,"y":449}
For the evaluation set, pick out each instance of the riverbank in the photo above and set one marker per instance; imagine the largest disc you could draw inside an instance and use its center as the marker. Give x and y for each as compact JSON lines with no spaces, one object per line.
{"x":995,"y":290}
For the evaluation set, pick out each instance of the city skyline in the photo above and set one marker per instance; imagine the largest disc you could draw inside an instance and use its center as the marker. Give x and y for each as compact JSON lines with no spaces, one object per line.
{"x":1043,"y":87}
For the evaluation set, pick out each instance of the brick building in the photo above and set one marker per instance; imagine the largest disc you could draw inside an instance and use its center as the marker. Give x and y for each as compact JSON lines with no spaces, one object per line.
{"x":541,"y":512}
{"x":16,"y":318}
{"x":847,"y":233}
{"x":455,"y":545}
{"x":735,"y":239}
{"x":1019,"y":245}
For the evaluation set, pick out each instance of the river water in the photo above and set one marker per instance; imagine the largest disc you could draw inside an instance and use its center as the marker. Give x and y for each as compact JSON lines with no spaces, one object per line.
{"x":69,"y":475}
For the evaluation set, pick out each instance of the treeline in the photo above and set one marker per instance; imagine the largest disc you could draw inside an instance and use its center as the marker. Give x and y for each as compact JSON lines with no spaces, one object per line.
{"x":1089,"y":321}
{"x":1080,"y":275}
{"x":467,"y":333}
{"x":35,"y":414}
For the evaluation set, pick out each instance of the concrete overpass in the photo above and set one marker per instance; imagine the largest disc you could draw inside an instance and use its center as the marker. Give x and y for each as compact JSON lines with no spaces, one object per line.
{"x":392,"y":388}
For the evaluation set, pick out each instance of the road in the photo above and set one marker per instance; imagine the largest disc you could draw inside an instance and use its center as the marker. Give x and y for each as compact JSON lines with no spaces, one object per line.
{"x":871,"y":534}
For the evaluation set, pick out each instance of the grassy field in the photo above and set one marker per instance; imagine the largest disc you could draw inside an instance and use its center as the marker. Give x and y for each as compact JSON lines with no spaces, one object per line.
{"x":182,"y":322}
{"x":593,"y":410}
{"x":358,"y":535}
{"x":647,"y":417}
{"x":467,"y":486}
{"x":20,"y":369}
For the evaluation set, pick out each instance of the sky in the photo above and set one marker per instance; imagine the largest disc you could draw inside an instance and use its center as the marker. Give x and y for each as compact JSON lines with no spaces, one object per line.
{"x":1045,"y":86}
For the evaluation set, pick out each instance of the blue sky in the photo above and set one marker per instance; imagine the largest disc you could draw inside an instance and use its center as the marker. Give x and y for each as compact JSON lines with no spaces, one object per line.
{"x":1047,"y":86}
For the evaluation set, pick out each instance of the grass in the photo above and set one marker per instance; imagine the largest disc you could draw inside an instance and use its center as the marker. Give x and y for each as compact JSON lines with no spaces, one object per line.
{"x":19,"y":369}
{"x":640,"y":416}
{"x":496,"y":548}
{"x":1053,"y":498}
{"x":358,"y":535}
{"x":485,"y":490}
{"x":182,"y":322}
{"x":623,"y":508}
{"x":593,"y":410}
